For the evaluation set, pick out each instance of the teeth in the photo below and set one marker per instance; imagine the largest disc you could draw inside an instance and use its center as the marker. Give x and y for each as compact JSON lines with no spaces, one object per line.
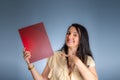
{"x":70,"y":41}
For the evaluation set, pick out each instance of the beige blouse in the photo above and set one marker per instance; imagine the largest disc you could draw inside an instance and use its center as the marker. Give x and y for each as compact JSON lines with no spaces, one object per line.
{"x":59,"y":70}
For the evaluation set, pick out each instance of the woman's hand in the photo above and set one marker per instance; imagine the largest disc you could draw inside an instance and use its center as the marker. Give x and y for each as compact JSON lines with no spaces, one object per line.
{"x":26,"y":55}
{"x":72,"y":58}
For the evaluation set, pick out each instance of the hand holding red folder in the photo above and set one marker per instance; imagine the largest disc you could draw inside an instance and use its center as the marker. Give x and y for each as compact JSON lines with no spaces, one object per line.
{"x":26,"y":55}
{"x":35,"y":40}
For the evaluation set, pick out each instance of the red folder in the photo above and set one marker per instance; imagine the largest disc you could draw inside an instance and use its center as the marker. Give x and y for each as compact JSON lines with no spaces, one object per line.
{"x":35,"y":40}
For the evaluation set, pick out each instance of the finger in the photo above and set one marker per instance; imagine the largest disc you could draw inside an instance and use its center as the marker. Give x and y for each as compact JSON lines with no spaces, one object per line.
{"x":27,"y":60}
{"x":65,"y":55}
{"x":24,"y":49}
{"x":27,"y":54}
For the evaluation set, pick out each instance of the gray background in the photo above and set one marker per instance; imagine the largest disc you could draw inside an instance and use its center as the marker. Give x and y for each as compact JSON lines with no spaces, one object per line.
{"x":100,"y":17}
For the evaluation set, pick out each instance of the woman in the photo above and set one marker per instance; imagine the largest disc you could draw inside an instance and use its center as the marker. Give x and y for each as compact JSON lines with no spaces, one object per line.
{"x":73,"y":62}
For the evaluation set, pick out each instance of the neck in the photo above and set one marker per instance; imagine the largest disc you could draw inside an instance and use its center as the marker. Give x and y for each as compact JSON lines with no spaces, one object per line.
{"x":72,"y":51}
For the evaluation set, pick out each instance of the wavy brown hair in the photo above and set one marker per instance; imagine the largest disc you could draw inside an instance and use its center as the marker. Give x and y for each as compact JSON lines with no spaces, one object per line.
{"x":83,"y":48}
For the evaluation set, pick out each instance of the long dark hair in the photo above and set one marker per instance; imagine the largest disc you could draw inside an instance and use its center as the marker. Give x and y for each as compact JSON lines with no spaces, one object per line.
{"x":83,"y":49}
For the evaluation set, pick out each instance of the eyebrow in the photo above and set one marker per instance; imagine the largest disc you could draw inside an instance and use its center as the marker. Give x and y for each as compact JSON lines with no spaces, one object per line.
{"x":75,"y":32}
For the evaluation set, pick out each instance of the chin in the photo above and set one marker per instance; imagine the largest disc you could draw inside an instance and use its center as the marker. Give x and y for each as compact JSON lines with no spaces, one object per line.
{"x":69,"y":45}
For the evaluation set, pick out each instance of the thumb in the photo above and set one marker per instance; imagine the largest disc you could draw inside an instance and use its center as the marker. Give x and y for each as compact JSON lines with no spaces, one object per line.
{"x":27,"y":61}
{"x":65,"y":55}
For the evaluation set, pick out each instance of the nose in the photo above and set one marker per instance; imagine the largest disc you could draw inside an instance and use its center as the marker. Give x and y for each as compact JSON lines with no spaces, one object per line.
{"x":70,"y":36}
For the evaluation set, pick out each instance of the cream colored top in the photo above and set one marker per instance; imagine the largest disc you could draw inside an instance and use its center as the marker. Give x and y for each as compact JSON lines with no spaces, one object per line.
{"x":59,"y":69}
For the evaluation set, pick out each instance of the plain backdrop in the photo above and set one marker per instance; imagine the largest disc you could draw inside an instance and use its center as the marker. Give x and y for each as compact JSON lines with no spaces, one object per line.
{"x":100,"y":17}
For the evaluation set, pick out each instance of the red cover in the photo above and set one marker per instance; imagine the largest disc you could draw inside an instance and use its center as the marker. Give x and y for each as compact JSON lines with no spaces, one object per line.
{"x":35,"y":40}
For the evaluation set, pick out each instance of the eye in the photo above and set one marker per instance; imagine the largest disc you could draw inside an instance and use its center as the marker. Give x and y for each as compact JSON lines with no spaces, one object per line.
{"x":68,"y":33}
{"x":74,"y":35}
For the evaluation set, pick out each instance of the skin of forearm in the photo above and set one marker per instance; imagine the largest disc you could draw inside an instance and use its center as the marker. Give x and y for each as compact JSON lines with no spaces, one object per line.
{"x":85,"y":72}
{"x":35,"y":74}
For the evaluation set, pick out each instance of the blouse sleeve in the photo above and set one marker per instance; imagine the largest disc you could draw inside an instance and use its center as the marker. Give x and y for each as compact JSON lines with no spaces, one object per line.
{"x":90,"y":62}
{"x":50,"y":64}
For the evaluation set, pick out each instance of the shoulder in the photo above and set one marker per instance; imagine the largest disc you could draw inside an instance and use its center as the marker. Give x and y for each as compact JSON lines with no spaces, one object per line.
{"x":52,"y":59}
{"x":90,"y":61}
{"x":58,"y":53}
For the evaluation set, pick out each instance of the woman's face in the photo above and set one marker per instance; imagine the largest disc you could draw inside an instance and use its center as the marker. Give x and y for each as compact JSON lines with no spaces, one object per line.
{"x":72,"y":38}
